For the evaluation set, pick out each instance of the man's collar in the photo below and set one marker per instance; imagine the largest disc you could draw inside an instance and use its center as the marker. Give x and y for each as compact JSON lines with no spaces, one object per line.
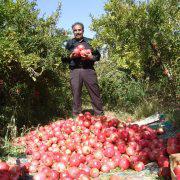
{"x":81,"y":40}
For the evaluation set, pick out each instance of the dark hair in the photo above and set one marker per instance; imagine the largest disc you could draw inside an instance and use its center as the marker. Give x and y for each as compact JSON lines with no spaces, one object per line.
{"x":78,"y":23}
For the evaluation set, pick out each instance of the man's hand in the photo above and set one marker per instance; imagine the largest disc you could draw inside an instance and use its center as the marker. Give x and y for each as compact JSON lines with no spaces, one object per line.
{"x":76,"y":53}
{"x":86,"y":54}
{"x":87,"y":57}
{"x":73,"y":55}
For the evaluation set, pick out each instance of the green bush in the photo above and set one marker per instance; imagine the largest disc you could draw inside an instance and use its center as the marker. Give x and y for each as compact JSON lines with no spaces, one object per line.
{"x":119,"y":90}
{"x":141,"y":97}
{"x":36,"y":86}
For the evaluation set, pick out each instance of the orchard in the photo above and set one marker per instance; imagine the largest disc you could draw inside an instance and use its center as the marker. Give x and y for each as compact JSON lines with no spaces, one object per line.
{"x":138,"y":76}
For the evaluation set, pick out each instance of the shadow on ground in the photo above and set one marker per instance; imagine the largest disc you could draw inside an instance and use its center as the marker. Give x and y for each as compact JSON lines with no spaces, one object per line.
{"x":88,"y":110}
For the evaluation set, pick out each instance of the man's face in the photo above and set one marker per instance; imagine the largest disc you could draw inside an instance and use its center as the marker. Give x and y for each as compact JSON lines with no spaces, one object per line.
{"x":78,"y":32}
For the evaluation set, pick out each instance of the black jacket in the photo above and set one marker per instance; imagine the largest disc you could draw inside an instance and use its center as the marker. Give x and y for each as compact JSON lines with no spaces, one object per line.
{"x":77,"y":62}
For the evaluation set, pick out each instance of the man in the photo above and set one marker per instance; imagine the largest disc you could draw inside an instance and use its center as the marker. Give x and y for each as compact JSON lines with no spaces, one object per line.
{"x":81,"y":64}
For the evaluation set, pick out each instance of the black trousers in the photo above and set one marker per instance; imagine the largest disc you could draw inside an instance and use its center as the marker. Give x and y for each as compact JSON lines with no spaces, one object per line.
{"x":88,"y":77}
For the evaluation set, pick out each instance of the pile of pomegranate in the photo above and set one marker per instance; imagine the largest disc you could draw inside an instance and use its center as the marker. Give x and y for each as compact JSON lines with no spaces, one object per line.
{"x":88,"y":146}
{"x":9,"y":172}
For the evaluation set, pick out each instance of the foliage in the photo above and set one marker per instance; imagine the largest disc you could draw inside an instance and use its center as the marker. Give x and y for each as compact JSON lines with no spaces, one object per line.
{"x":34,"y":42}
{"x":142,"y":41}
{"x":140,"y":37}
{"x":139,"y":98}
{"x":120,"y":91}
{"x":35,"y":82}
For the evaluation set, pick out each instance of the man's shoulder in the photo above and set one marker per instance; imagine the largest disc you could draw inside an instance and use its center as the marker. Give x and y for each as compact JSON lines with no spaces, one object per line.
{"x":87,"y":39}
{"x":69,"y":41}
